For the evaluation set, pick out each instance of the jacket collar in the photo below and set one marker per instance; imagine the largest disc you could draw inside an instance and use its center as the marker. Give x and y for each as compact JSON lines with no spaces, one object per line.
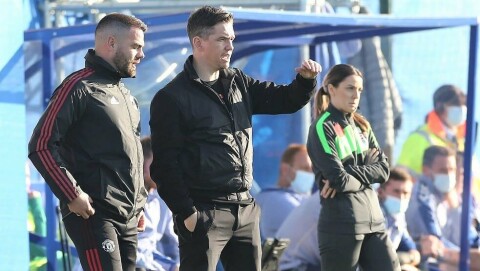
{"x":435,"y":125}
{"x":192,"y":74}
{"x":100,"y":65}
{"x":339,"y":115}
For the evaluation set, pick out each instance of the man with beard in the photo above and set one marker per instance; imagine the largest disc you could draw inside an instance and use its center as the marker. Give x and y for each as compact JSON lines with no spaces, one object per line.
{"x":87,"y":147}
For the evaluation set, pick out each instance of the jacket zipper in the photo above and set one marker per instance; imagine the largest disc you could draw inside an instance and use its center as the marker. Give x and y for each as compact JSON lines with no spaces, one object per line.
{"x":354,"y":128}
{"x":370,"y":210}
{"x":137,"y":148}
{"x":232,"y":121}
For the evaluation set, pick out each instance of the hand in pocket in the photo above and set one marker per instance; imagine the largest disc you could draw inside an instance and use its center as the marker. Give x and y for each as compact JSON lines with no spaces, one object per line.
{"x":190,"y":222}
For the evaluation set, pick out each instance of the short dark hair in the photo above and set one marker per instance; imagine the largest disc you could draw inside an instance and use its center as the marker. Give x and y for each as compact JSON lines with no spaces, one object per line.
{"x":398,"y":174}
{"x":118,"y":20}
{"x":290,"y":152}
{"x":433,"y":151}
{"x":146,"y":146}
{"x":448,"y":94}
{"x":202,"y":20}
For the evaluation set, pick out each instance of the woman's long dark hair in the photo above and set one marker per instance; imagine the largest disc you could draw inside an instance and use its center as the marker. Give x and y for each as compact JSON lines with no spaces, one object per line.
{"x":334,"y":77}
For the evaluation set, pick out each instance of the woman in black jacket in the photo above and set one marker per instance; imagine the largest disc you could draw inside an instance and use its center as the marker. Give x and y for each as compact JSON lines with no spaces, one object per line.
{"x":346,"y":162}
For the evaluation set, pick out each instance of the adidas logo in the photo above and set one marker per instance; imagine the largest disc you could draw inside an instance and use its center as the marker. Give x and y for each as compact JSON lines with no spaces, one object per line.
{"x":114,"y":100}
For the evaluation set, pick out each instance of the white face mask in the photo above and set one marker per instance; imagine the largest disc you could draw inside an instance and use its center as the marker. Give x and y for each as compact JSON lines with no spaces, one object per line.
{"x":303,"y":182}
{"x":444,"y":183}
{"x":456,"y":115}
{"x":395,"y":205}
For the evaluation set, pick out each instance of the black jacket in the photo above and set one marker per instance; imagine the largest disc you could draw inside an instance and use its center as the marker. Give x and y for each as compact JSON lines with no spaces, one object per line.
{"x":338,"y":148}
{"x":88,"y":139}
{"x":202,"y":144}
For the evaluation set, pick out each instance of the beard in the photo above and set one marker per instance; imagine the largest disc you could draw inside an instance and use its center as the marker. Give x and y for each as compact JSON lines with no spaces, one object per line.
{"x":124,"y":66}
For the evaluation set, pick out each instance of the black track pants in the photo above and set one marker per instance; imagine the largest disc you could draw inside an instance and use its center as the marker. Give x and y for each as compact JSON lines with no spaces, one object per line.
{"x":103,"y":244}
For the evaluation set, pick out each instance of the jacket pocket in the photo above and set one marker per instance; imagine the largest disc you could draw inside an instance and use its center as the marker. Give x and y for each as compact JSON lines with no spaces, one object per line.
{"x":91,"y":182}
{"x":205,"y":219}
{"x":217,"y":164}
{"x":118,"y":200}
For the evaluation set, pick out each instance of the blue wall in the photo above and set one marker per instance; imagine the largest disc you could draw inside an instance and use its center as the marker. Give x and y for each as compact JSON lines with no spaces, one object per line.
{"x":13,"y":209}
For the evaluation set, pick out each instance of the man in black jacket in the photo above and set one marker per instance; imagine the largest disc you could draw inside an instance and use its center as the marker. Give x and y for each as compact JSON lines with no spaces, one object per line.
{"x":201,"y":125}
{"x":87,"y":147}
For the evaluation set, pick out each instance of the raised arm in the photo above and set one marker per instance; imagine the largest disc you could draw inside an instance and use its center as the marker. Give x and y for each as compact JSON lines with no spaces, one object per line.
{"x":270,"y":98}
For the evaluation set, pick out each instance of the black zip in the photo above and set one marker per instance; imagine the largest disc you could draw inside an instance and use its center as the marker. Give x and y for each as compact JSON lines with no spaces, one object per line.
{"x":232,"y":121}
{"x":137,"y":148}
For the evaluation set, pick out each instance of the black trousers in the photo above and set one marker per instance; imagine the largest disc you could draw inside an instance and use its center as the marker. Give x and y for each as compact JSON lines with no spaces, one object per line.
{"x":229,"y":232}
{"x":103,"y":244}
{"x":345,"y":252}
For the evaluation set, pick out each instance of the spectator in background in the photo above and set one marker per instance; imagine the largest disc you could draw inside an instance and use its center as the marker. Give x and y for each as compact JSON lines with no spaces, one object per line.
{"x":394,"y":196}
{"x":427,"y":213}
{"x":300,"y":227}
{"x":157,"y":246}
{"x":448,"y":258}
{"x":444,"y":126}
{"x":294,"y":184}
{"x":453,"y":204}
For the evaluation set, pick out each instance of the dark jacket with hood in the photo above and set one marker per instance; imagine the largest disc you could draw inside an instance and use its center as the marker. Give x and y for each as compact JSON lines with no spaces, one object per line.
{"x":202,"y":140}
{"x":88,"y":139}
{"x":338,"y":148}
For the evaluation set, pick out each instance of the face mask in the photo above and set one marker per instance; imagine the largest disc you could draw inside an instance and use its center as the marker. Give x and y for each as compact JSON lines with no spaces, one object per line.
{"x":444,"y":183}
{"x":456,"y":115}
{"x":395,"y":205}
{"x":303,"y":182}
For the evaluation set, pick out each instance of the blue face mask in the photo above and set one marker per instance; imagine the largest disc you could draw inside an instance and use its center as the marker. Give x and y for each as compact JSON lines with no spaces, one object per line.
{"x":394,"y":205}
{"x":444,"y":183}
{"x":303,"y":182}
{"x":456,"y":115}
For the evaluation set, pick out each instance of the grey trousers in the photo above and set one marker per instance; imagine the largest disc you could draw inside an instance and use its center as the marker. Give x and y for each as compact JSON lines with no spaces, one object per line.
{"x":224,"y":231}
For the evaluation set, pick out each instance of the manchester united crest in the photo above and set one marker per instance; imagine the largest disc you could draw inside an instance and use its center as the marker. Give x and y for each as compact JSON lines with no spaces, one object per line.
{"x":108,"y":245}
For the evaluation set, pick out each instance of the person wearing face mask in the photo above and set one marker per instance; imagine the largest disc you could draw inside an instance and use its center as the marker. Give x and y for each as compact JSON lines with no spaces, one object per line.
{"x":444,"y":126}
{"x":394,"y":196}
{"x":427,"y":213}
{"x":158,"y":245}
{"x":454,"y":200}
{"x":294,"y":184}
{"x":300,"y":227}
